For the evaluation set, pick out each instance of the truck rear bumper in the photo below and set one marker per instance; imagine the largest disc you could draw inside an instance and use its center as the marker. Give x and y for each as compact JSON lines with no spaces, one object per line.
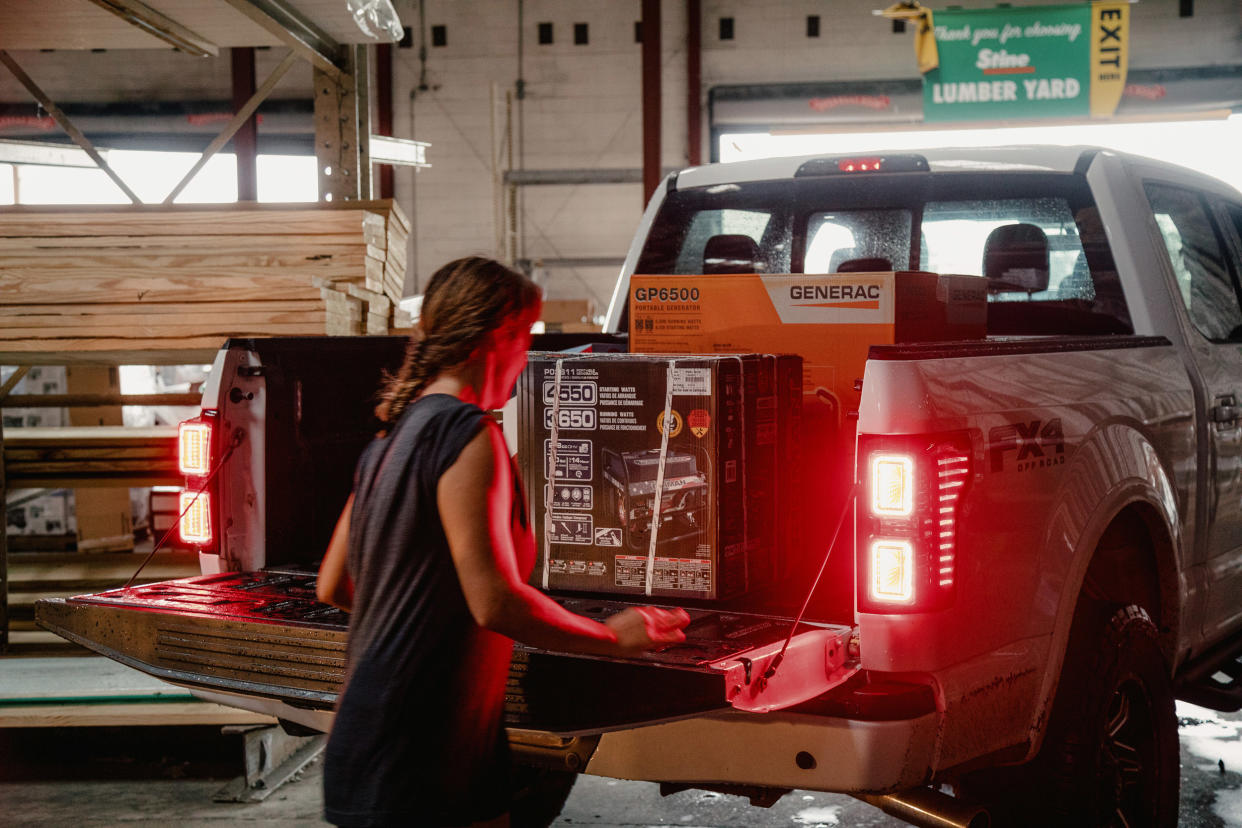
{"x":780,"y":750}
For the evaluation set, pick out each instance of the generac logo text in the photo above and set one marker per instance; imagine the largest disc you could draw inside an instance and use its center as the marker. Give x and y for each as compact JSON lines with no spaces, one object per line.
{"x":834,"y":293}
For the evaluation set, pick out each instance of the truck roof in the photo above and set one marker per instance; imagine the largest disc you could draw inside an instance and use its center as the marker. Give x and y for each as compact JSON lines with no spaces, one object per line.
{"x":1018,"y":158}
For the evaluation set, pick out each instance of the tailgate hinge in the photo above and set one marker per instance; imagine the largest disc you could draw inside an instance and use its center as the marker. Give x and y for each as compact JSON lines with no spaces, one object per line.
{"x":814,"y":663}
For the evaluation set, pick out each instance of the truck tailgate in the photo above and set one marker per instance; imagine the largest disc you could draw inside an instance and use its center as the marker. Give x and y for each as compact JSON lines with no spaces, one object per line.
{"x":264,"y":634}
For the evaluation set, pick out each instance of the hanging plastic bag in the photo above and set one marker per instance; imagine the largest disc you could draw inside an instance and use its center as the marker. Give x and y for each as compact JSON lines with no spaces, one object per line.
{"x":377,"y":19}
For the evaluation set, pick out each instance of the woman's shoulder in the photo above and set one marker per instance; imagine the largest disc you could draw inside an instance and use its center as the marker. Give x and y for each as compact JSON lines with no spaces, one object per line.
{"x":442,"y":423}
{"x":435,"y":410}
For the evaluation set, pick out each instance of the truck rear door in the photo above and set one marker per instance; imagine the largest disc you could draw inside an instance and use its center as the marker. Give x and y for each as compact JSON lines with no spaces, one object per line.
{"x":1197,"y":233}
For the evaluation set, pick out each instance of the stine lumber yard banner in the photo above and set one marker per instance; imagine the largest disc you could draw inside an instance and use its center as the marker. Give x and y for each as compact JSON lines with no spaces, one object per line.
{"x":1020,"y":63}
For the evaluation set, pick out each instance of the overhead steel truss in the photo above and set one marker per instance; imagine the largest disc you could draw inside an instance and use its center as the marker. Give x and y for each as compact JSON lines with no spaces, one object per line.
{"x":342,"y":110}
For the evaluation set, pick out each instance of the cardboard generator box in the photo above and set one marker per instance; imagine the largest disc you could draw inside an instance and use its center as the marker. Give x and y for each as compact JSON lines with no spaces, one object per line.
{"x":830,"y":320}
{"x":617,"y":488}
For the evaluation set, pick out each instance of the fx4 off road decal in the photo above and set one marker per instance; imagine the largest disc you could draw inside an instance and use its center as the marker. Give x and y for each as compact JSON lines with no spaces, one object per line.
{"x":1025,"y":446}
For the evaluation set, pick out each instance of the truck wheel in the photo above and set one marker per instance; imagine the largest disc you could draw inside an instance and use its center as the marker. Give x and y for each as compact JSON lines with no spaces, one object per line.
{"x":1110,"y":756}
{"x":539,"y":794}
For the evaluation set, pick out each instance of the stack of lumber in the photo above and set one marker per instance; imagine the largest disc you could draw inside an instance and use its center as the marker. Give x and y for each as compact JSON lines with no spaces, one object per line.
{"x":35,"y":575}
{"x":80,"y":456}
{"x":173,"y":282}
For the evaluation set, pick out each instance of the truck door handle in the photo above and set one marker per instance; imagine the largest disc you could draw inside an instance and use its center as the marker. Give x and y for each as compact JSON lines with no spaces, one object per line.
{"x":1225,"y":412}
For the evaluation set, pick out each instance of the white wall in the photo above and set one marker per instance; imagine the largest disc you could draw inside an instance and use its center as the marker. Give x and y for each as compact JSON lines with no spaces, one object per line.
{"x":583,"y":104}
{"x":582,"y":110}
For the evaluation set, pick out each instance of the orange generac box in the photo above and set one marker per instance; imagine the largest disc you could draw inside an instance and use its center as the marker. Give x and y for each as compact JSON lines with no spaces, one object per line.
{"x":829,"y":320}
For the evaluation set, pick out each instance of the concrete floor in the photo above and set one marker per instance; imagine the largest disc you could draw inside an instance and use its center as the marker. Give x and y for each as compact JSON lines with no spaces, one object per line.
{"x":137,"y":776}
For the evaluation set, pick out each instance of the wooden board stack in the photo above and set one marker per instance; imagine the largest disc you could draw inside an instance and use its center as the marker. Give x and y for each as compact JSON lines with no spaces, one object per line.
{"x":171,"y":283}
{"x":84,"y":456}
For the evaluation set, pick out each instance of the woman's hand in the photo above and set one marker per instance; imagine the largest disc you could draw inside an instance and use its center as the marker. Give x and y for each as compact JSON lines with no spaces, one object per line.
{"x":639,"y":629}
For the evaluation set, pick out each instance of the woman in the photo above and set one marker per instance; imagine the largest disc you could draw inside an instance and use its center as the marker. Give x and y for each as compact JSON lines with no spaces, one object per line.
{"x":431,"y":555}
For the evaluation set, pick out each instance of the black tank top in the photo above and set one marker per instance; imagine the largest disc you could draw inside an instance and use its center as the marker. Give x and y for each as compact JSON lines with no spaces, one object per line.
{"x":418,"y":738}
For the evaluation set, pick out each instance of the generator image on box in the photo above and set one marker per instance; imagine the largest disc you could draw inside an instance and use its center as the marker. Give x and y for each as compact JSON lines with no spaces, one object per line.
{"x":683,"y":504}
{"x":653,"y":474}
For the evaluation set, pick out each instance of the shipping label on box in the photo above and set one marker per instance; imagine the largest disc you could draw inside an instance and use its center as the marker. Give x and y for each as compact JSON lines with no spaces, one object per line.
{"x":593,"y":485}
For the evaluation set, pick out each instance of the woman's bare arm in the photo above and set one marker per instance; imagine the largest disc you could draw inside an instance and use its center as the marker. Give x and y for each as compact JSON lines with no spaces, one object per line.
{"x":475,"y":498}
{"x":334,"y":586}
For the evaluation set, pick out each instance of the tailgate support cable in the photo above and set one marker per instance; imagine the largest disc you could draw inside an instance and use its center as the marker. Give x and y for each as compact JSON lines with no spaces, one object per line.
{"x":845,"y":508}
{"x":238,"y":436}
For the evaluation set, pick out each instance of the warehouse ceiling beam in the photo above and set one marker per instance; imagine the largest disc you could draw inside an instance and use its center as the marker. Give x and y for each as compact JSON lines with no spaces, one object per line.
{"x":400,"y":152}
{"x":43,"y":154}
{"x":621,"y":175}
{"x":236,"y":123}
{"x":147,"y":19}
{"x":301,"y":35}
{"x":65,"y":124}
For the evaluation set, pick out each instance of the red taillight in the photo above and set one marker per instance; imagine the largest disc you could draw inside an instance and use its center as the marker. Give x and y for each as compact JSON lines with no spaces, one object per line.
{"x":952,"y":473}
{"x":196,"y":518}
{"x":892,"y":571}
{"x":195,"y":459}
{"x":908,"y":513}
{"x":892,"y":485}
{"x":859,"y":164}
{"x":194,"y":448}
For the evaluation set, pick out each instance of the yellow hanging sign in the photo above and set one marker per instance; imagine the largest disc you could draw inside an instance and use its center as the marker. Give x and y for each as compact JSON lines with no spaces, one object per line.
{"x":1110,"y":39}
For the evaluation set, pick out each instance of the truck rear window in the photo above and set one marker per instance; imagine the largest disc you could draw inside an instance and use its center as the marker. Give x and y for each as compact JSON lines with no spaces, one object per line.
{"x":1036,"y":237}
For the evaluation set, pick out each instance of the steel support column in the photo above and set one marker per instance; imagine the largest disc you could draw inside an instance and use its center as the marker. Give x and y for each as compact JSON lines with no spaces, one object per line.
{"x":651,"y":97}
{"x":246,"y":141}
{"x":8,"y":386}
{"x":383,"y":110}
{"x":4,"y":554}
{"x":343,"y":129}
{"x":694,"y":82}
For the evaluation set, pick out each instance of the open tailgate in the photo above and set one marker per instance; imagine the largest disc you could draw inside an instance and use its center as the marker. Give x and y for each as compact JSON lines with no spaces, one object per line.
{"x":264,"y":634}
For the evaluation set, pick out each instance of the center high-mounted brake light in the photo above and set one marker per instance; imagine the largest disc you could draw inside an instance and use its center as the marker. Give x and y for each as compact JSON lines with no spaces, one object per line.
{"x":912,"y":489}
{"x":860,"y":164}
{"x":846,"y":165}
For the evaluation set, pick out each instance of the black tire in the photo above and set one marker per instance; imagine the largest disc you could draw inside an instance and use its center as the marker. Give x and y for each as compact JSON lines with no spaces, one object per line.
{"x":539,"y":794}
{"x":1110,"y":755}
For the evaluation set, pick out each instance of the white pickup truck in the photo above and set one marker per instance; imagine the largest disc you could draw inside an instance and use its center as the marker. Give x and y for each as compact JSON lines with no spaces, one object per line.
{"x":1082,"y":464}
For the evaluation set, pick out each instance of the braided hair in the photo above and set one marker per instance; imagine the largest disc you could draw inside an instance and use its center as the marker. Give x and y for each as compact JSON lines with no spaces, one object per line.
{"x":465,"y":301}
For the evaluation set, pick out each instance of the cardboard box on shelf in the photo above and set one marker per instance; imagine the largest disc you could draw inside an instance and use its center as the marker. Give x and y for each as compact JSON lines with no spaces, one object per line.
{"x":104,"y":516}
{"x":593,"y":480}
{"x":568,"y":311}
